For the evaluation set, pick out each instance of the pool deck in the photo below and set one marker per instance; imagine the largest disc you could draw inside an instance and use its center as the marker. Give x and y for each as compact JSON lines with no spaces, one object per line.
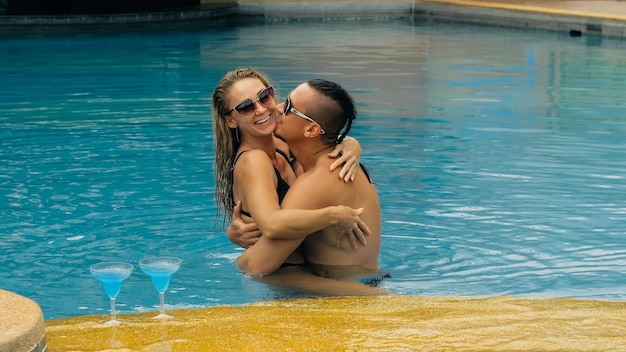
{"x":388,"y":323}
{"x":614,"y":10}
{"x":593,"y":17}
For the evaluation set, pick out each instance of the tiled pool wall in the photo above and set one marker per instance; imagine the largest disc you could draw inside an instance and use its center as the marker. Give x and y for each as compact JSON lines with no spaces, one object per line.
{"x":116,"y":20}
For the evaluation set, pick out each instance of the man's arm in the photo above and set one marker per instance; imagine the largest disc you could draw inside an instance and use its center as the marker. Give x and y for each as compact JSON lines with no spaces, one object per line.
{"x":241,"y":233}
{"x":269,"y":253}
{"x":309,"y":282}
{"x":263,"y":204}
{"x":347,"y":155}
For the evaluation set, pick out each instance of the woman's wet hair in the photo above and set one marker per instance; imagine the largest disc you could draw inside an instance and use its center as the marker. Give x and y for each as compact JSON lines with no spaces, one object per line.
{"x":227,"y":139}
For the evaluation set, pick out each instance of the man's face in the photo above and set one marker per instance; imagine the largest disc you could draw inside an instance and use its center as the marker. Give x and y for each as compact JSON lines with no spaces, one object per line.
{"x":294,"y":118}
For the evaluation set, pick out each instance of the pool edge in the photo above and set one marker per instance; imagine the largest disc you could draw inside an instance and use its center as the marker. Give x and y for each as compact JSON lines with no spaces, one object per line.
{"x":510,"y":13}
{"x":22,"y":325}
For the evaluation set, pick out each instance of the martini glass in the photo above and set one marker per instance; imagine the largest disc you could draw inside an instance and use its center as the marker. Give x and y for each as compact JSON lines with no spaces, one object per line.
{"x":111,"y":274}
{"x":160,"y":270}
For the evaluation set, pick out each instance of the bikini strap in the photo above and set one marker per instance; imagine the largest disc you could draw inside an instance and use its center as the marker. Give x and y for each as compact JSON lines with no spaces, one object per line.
{"x":237,"y":158}
{"x":367,"y":174}
{"x":284,"y":155}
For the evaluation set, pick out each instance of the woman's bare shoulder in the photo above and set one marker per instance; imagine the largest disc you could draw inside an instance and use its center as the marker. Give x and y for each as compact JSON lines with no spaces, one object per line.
{"x":253,"y":159}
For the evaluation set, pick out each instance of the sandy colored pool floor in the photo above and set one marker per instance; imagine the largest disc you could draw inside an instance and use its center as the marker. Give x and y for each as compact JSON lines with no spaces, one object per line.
{"x":360,"y":324}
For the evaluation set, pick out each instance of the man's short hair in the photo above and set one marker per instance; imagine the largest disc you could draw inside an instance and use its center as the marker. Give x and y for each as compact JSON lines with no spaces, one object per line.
{"x":336,"y":112}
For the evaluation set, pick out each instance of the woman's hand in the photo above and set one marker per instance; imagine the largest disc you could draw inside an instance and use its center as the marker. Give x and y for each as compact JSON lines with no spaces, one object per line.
{"x":348,"y":154}
{"x":241,"y":233}
{"x":350,"y":227}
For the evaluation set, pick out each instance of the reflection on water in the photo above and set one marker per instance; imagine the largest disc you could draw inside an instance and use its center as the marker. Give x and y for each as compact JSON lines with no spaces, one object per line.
{"x":499,"y":156}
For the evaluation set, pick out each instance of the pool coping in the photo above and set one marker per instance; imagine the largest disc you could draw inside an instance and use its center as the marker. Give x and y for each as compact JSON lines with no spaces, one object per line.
{"x":525,"y":16}
{"x":511,"y":14}
{"x":22,"y":325}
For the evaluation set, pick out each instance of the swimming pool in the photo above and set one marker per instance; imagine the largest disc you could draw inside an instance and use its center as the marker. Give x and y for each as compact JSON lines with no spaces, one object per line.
{"x":498,"y":155}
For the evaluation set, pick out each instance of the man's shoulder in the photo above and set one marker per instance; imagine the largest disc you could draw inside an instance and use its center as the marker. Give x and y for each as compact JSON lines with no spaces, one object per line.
{"x":319,"y":180}
{"x":320,"y":173}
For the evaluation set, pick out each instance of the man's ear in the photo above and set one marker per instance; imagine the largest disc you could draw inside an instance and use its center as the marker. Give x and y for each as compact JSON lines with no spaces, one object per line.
{"x":312,"y":130}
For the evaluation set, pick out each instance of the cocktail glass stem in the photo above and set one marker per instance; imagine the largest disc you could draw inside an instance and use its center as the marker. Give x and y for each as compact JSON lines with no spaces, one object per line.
{"x":162,"y":314}
{"x":162,"y":303}
{"x":113,"y":320}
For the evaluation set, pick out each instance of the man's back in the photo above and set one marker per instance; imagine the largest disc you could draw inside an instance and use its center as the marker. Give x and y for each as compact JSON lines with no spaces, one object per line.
{"x":319,"y":188}
{"x":316,"y":115}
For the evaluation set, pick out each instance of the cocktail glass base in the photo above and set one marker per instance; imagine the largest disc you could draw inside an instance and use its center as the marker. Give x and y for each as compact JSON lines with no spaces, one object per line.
{"x":163,"y":316}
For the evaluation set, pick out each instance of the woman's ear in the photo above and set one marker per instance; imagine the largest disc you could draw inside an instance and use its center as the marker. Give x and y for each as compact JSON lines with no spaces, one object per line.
{"x":230,"y":122}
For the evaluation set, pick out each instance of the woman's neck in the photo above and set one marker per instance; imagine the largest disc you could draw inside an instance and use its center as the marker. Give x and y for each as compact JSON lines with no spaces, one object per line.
{"x":265,"y":143}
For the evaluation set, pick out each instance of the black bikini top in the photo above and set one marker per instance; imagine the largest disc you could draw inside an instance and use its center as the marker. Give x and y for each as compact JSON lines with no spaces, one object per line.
{"x":281,"y":188}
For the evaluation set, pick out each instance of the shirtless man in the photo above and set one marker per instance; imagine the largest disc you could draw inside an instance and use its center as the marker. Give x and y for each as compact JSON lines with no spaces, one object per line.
{"x":315,"y":113}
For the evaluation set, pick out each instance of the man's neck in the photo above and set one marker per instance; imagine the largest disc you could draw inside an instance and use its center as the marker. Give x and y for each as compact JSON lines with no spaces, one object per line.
{"x":308,"y":154}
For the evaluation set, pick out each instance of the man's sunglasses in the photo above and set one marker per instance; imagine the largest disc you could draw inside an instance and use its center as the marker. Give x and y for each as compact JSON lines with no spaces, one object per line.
{"x":289,"y":108}
{"x":247,"y":107}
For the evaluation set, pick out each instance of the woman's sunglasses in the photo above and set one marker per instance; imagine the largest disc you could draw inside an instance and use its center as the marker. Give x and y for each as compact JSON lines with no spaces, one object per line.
{"x":289,"y":108}
{"x":247,"y":107}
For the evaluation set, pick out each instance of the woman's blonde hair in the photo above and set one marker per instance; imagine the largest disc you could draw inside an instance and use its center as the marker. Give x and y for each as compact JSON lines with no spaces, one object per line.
{"x":227,"y":139}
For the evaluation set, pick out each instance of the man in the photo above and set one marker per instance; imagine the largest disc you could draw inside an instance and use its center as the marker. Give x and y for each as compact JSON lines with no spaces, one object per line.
{"x":315,"y":113}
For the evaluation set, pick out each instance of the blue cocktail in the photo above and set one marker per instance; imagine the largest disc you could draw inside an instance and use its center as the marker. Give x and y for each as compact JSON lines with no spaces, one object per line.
{"x":111,"y":274}
{"x":160,"y":270}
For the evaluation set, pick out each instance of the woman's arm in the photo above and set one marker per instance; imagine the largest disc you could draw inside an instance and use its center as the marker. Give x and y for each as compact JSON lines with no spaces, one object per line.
{"x":255,"y":187}
{"x":258,"y":192}
{"x":348,"y":154}
{"x":246,"y":235}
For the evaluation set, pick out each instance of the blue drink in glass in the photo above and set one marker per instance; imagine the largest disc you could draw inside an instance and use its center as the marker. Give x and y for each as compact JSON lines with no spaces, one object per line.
{"x":111,"y":274}
{"x":160,"y":270}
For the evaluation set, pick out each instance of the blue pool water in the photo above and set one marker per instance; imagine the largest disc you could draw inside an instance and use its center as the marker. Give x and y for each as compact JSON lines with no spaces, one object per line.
{"x":499,"y":155}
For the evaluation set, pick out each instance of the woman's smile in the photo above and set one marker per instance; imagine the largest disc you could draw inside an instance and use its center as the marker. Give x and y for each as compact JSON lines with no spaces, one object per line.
{"x":265,"y":120}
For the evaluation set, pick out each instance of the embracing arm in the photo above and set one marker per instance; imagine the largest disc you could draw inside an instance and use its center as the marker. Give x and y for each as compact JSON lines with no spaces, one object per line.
{"x":258,"y":192}
{"x":255,"y":184}
{"x":246,"y":234}
{"x":267,"y":254}
{"x":240,"y":232}
{"x":348,"y":154}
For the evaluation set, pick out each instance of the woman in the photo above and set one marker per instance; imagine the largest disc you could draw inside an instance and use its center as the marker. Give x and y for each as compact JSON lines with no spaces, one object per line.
{"x":252,"y":166}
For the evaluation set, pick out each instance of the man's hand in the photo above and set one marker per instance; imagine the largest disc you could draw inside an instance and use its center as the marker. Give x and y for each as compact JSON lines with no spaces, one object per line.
{"x":348,"y":154}
{"x":351,"y":228}
{"x":241,"y":233}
